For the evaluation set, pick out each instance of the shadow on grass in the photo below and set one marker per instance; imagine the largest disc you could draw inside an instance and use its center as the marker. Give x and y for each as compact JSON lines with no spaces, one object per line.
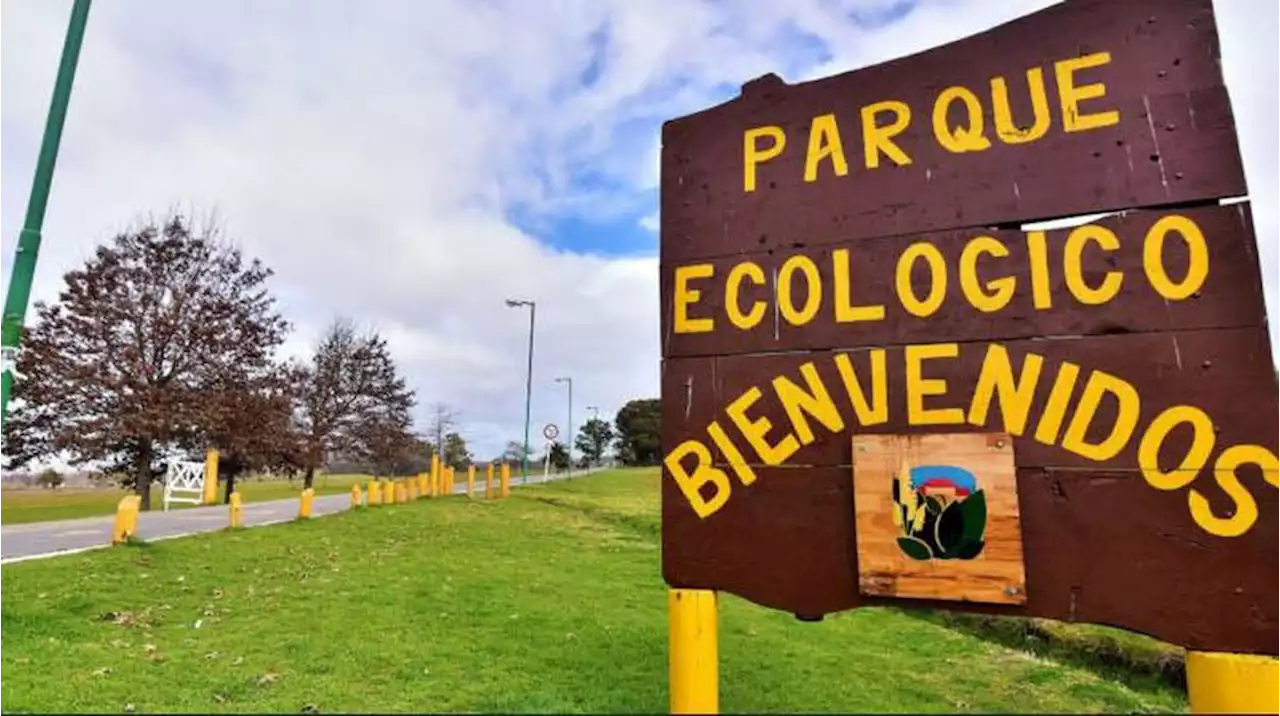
{"x":638,"y":525}
{"x":1132,"y":659}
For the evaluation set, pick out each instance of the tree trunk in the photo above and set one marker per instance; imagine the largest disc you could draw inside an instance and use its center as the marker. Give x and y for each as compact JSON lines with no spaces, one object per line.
{"x":142,"y":475}
{"x":231,"y":487}
{"x":309,"y":478}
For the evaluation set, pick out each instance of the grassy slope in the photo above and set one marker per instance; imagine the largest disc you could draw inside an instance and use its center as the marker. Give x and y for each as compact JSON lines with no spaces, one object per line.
{"x":35,"y":505}
{"x":550,"y":601}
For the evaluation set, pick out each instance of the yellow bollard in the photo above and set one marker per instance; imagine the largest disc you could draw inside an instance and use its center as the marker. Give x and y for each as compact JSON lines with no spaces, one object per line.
{"x":237,"y":513}
{"x":422,"y":484}
{"x":488,"y":482}
{"x":471,"y":480}
{"x":447,"y":488}
{"x":126,"y":524}
{"x":357,"y":498}
{"x":402,"y":492}
{"x":1232,"y":683}
{"x":304,"y":503}
{"x":375,"y":493}
{"x":210,"y":495}
{"x":505,"y":489}
{"x":692,"y":658}
{"x":389,"y":489}
{"x":435,"y":475}
{"x":411,"y":488}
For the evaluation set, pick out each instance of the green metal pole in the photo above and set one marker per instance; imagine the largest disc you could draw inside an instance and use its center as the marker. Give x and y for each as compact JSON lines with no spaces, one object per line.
{"x":24,"y":261}
{"x":528,"y":398}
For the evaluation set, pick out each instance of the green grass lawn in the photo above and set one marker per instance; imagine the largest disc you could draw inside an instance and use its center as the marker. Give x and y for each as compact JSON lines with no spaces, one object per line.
{"x":37,"y":505}
{"x":549,"y":601}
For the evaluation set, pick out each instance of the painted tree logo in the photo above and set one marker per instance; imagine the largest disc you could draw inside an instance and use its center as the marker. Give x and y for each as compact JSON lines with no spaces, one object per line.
{"x":941,"y":512}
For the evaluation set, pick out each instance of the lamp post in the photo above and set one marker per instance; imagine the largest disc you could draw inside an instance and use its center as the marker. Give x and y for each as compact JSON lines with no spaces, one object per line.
{"x":24,"y":260}
{"x":569,"y":439}
{"x":528,"y":387}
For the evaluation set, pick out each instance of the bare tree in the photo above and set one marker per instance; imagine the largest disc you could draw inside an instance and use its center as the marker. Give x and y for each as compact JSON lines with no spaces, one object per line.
{"x":443,"y":421}
{"x":350,"y":398}
{"x":155,"y":334}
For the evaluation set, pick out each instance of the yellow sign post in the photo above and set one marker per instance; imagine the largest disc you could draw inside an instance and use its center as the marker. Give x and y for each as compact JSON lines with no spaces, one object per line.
{"x":693,"y":656}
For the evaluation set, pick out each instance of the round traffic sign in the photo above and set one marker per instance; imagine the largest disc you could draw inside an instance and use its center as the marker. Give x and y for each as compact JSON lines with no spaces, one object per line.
{"x":550,"y":431}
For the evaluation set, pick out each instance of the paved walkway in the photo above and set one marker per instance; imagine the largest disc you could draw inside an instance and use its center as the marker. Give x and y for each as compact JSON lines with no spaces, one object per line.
{"x":46,"y":539}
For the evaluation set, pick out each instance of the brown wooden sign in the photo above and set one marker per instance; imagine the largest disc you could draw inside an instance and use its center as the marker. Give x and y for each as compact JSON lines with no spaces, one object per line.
{"x":880,"y":382}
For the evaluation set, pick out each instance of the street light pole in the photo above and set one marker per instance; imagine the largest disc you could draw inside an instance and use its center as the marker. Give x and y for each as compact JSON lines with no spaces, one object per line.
{"x":569,"y":440}
{"x":24,"y":260}
{"x":528,"y":388}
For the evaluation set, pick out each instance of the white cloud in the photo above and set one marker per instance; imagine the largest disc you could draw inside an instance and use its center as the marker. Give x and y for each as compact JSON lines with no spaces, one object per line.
{"x":369,"y":152}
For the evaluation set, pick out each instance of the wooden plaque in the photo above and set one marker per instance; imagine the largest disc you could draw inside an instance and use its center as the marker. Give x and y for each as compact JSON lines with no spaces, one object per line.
{"x":936,"y":517}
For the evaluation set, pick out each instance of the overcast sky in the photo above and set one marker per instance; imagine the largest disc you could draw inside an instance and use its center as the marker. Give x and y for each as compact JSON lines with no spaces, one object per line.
{"x":411,"y":164}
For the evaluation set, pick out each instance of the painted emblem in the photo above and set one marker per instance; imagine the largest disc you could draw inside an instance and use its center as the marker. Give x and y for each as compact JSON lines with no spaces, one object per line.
{"x":941,"y":511}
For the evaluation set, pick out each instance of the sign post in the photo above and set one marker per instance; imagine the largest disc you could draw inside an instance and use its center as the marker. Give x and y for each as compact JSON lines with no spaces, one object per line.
{"x":880,"y":289}
{"x":550,"y":432}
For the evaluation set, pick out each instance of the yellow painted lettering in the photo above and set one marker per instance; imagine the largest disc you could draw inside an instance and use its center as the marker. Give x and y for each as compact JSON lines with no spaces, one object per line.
{"x":1224,"y":472}
{"x":731,"y":453}
{"x":1197,"y":457}
{"x":812,"y":399}
{"x":997,"y":292}
{"x":733,"y":285}
{"x":846,"y":312}
{"x":703,"y":474}
{"x":937,"y":279}
{"x":755,"y":431}
{"x":1153,"y":257}
{"x":919,"y":387}
{"x":1008,"y":131}
{"x":753,"y":154}
{"x":1055,"y":409}
{"x":1099,"y":385}
{"x":1038,"y":249}
{"x":877,"y":139}
{"x":960,"y":139}
{"x":875,"y":410}
{"x":786,"y":304}
{"x":1072,"y":95}
{"x":824,"y":142}
{"x":996,"y":379}
{"x":1073,"y":260}
{"x":686,"y":297}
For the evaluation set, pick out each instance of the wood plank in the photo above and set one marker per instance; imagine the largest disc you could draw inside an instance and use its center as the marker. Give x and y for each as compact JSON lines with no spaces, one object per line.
{"x":1229,"y":374}
{"x":993,"y":572}
{"x":1174,"y":141}
{"x":1100,"y":547}
{"x":1230,"y":297}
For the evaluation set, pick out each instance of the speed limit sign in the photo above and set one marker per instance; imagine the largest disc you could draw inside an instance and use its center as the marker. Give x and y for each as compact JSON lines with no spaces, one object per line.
{"x":550,"y":431}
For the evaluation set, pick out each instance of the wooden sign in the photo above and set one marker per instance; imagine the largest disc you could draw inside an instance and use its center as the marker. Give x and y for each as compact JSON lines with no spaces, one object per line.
{"x":854,"y":297}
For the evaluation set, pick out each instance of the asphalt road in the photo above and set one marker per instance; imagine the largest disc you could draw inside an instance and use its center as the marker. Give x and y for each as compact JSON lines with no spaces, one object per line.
{"x":47,"y":539}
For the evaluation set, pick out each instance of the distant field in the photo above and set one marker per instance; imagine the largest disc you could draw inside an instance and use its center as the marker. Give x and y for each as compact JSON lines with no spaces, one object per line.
{"x":40,"y":505}
{"x":549,"y":601}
